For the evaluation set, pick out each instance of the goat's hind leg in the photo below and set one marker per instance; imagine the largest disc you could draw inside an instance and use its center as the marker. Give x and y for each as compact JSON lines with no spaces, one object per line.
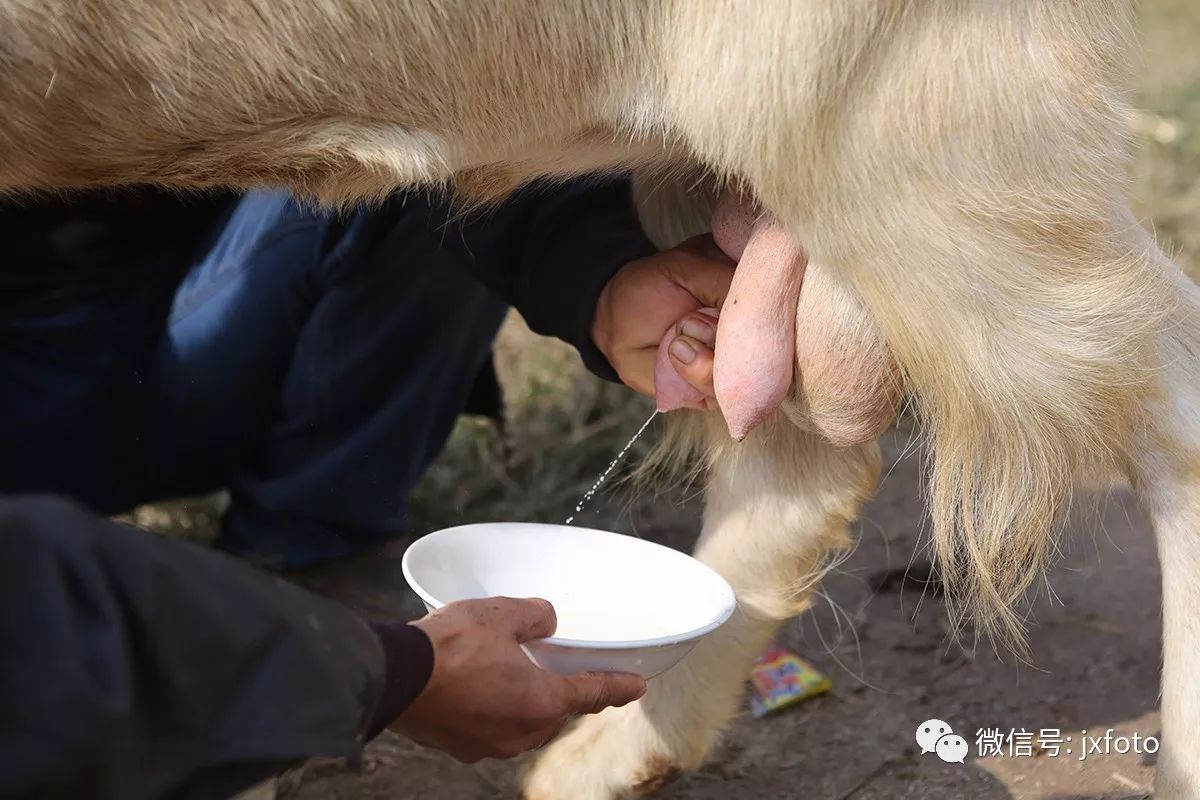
{"x":1166,"y":475}
{"x":777,"y":506}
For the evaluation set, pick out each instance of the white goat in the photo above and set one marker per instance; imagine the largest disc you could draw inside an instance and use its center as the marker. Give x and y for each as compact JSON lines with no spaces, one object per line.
{"x":957,"y":166}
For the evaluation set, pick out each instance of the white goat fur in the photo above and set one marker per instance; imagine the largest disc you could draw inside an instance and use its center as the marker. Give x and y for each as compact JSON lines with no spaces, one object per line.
{"x":958,"y":164}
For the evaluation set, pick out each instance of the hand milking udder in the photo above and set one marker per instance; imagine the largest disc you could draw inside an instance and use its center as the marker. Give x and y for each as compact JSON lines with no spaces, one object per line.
{"x":847,"y":378}
{"x":755,"y":345}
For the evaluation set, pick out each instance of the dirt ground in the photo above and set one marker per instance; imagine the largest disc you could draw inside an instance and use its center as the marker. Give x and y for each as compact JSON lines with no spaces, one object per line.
{"x":1095,"y":661}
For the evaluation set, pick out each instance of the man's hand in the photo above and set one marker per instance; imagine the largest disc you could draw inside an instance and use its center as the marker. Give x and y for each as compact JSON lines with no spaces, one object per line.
{"x":486,"y":699}
{"x":649,"y":295}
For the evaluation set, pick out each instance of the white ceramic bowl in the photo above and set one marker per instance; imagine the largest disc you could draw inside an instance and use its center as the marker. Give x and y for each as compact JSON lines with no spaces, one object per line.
{"x":623,"y":604}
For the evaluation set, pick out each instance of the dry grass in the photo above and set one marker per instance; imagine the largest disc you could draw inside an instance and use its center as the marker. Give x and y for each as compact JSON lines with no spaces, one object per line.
{"x":1167,"y":128}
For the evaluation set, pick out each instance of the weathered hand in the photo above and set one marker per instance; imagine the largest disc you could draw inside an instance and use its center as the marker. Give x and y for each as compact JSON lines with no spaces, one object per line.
{"x":485,"y":698}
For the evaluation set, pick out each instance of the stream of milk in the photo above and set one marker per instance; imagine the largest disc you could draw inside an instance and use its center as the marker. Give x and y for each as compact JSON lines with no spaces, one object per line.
{"x":613,"y":465}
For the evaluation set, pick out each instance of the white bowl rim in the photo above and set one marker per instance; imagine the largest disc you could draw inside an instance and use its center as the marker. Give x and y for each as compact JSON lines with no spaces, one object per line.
{"x":627,"y":644}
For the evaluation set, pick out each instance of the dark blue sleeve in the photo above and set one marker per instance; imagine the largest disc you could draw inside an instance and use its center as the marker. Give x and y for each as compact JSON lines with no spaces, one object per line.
{"x":139,"y":667}
{"x":550,"y":249}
